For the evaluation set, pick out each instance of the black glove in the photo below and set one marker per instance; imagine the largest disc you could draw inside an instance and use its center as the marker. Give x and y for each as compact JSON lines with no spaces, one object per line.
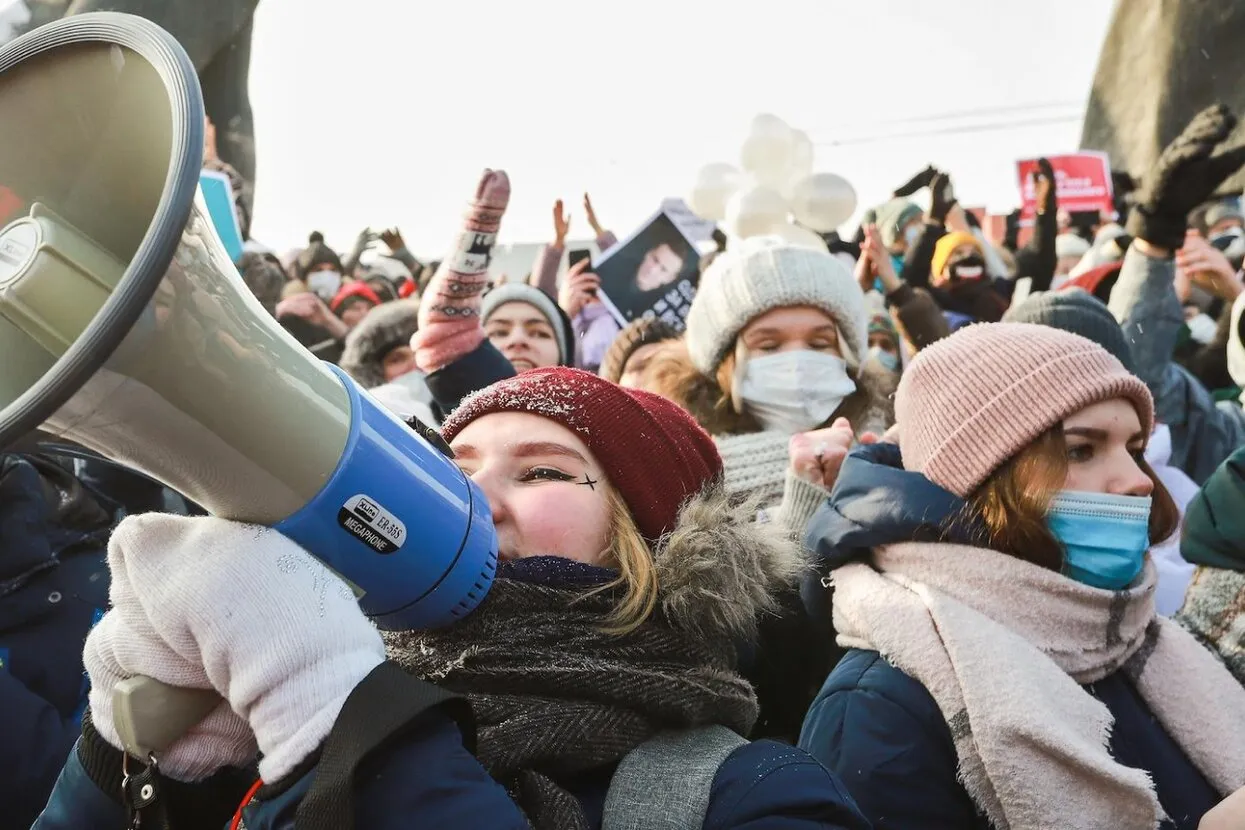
{"x":942,"y":197}
{"x":1185,"y":175}
{"x":1011,"y":237}
{"x":917,"y":182}
{"x":1046,"y":171}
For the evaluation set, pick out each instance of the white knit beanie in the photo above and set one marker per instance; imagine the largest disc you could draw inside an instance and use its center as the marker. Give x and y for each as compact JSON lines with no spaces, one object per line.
{"x":759,"y":275}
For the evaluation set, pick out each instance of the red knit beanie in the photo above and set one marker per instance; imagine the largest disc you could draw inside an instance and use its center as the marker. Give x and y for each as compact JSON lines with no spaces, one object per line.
{"x":654,"y":453}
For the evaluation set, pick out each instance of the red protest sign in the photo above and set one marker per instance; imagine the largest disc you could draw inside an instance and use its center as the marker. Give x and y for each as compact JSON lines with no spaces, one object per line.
{"x":1082,"y":182}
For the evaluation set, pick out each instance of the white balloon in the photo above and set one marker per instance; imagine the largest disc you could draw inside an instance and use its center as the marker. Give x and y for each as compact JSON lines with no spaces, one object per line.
{"x":766,"y":152}
{"x":823,"y":201}
{"x":715,"y":184}
{"x":795,"y":235}
{"x":801,"y":164}
{"x":755,"y":211}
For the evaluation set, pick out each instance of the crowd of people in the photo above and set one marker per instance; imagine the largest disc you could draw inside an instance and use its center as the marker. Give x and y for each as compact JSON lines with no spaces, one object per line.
{"x":898,"y":546}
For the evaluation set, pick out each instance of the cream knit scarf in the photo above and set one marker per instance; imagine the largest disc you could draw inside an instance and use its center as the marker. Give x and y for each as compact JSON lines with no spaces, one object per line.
{"x":1003,"y":647}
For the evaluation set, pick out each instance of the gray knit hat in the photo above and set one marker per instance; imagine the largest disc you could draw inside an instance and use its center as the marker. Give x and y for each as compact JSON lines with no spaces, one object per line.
{"x":1079,"y":312}
{"x":1221,"y":211}
{"x":383,"y":329}
{"x":764,"y":273}
{"x":892,"y":216}
{"x":517,"y":292}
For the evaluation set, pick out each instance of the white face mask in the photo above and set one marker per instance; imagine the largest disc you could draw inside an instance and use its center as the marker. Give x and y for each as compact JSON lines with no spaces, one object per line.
{"x":794,"y":391}
{"x":325,"y":284}
{"x":1202,"y":328}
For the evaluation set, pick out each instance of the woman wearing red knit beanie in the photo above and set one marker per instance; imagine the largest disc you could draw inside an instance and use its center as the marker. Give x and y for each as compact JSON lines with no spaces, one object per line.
{"x":992,"y":580}
{"x":596,"y":684}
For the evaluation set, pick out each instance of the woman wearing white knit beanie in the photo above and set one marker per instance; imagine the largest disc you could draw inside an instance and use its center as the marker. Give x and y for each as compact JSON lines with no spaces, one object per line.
{"x":772,"y":370}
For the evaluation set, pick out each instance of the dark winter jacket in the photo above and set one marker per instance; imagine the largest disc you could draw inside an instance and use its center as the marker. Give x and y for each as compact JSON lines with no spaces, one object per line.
{"x":1204,"y":432}
{"x":1214,"y":540}
{"x":882,"y":732}
{"x":429,"y":779}
{"x":480,"y":368}
{"x":53,"y":588}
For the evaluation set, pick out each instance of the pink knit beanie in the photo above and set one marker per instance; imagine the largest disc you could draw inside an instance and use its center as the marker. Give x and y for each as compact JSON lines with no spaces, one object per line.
{"x":970,"y":402}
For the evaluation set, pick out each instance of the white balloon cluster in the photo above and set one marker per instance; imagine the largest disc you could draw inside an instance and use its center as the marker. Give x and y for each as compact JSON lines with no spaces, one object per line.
{"x":773,"y":185}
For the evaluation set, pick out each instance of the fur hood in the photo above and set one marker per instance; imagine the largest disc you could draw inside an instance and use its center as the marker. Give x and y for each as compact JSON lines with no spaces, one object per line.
{"x":383,"y":329}
{"x":721,"y":570}
{"x":870,"y":408}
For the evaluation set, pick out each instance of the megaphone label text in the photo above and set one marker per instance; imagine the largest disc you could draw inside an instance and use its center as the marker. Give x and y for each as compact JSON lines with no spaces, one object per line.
{"x":364,"y":518}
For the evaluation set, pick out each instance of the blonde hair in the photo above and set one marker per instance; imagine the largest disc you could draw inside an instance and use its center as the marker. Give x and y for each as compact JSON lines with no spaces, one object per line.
{"x":637,"y":573}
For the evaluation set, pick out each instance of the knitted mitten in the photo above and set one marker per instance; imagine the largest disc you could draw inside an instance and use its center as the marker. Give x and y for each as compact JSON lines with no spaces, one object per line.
{"x":241,"y":609}
{"x":449,"y":316}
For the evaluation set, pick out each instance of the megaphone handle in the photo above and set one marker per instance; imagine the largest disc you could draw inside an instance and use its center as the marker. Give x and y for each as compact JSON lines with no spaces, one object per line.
{"x":150,"y":716}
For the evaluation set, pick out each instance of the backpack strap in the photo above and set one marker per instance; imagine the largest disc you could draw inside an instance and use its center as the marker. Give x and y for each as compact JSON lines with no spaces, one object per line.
{"x":664,"y":783}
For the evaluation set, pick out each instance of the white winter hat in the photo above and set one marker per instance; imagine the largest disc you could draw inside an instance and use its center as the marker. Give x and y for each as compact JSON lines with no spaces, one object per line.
{"x":1070,"y":244}
{"x":759,"y":275}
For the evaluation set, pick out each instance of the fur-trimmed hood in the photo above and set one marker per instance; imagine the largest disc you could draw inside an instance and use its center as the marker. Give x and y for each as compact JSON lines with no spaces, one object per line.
{"x":721,"y":570}
{"x":383,"y":329}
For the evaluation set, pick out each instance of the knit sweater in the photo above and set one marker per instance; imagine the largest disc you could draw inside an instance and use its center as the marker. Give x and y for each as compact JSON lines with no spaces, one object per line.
{"x":757,"y":465}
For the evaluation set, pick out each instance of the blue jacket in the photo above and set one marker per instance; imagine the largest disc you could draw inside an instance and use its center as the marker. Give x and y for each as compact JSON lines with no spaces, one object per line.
{"x":429,"y":779}
{"x":53,"y":587}
{"x":882,"y":732}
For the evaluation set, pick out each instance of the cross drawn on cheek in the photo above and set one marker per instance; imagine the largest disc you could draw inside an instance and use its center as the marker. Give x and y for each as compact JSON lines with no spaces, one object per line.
{"x":589,"y":482}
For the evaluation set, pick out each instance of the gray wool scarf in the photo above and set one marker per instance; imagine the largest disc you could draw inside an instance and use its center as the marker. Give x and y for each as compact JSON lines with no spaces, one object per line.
{"x":554,"y":697}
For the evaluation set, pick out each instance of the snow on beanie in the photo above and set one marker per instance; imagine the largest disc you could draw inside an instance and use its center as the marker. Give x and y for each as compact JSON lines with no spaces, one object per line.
{"x":973,"y":400}
{"x":654,"y":453}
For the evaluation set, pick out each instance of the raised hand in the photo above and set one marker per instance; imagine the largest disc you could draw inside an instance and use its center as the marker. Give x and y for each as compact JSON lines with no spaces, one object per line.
{"x":561,"y":224}
{"x":578,"y":289}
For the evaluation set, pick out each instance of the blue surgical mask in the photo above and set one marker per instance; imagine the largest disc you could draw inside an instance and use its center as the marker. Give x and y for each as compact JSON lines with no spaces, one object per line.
{"x":1105,"y":537}
{"x":887,"y":360}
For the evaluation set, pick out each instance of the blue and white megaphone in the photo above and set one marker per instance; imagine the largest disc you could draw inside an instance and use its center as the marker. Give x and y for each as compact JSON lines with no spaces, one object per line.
{"x":125,"y":328}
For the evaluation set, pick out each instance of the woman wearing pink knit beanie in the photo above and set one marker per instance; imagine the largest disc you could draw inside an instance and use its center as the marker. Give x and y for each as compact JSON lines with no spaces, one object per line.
{"x":991,"y":578}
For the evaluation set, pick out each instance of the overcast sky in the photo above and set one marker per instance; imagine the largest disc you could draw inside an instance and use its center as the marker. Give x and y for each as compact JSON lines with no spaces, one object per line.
{"x":386,"y":113}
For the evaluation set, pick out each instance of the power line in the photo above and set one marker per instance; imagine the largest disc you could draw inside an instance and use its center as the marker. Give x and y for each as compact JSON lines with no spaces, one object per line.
{"x":980,"y":112}
{"x":959,"y":130}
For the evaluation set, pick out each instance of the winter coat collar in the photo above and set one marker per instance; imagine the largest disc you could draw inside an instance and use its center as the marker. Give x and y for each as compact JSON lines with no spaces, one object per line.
{"x":875,"y":501}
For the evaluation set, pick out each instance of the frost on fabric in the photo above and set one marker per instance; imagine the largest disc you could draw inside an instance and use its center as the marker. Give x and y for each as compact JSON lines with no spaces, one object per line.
{"x":534,"y":393}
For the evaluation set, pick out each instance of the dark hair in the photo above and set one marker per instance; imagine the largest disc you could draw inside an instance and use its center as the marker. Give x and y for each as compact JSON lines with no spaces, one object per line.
{"x":1012,"y":504}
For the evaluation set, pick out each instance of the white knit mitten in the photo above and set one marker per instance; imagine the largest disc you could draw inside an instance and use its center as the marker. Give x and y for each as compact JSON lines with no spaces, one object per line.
{"x":278,"y":635}
{"x":124,"y":645}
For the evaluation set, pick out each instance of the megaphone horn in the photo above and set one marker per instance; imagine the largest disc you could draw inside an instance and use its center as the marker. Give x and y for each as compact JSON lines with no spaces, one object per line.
{"x":125,"y":327}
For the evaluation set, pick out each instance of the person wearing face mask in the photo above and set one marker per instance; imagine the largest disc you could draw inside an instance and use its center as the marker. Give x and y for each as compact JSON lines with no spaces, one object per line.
{"x":320,"y":268}
{"x":1070,"y":248}
{"x":1146,"y":300}
{"x":772,"y":369}
{"x":596,"y":684}
{"x":900,"y":224}
{"x":885,"y":350}
{"x":1225,"y":229}
{"x":991,"y":576}
{"x":1075,"y":310}
{"x":961,"y":284}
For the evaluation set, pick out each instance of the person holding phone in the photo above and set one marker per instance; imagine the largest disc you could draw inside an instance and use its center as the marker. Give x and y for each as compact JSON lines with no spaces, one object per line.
{"x":595,"y":328}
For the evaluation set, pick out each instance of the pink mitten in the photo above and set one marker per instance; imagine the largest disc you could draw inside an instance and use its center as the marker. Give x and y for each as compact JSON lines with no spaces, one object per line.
{"x":449,"y":316}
